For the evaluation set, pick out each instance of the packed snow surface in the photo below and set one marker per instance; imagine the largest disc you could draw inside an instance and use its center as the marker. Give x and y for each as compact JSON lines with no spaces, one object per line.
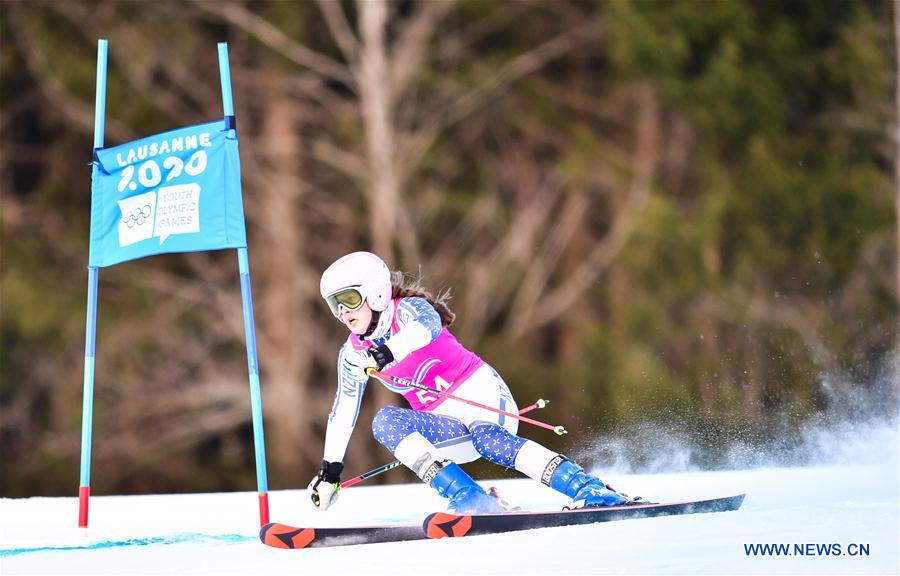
{"x":852,"y":504}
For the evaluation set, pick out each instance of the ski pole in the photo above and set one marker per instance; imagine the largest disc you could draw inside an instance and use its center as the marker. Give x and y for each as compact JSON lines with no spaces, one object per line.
{"x":370,"y":473}
{"x":404,"y":382}
{"x":391,"y":465}
{"x":539,"y":404}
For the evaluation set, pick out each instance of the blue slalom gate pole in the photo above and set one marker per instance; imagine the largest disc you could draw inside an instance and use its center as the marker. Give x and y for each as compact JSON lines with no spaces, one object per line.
{"x":259,"y":444}
{"x":90,"y":337}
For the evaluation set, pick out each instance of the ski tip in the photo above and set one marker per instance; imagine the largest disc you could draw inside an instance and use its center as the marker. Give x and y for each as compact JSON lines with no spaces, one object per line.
{"x":283,"y":536}
{"x":444,"y":525}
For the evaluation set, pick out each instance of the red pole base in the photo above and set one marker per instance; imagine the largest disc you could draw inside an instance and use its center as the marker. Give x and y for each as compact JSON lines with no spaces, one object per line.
{"x":263,"y":508}
{"x":84,"y":494}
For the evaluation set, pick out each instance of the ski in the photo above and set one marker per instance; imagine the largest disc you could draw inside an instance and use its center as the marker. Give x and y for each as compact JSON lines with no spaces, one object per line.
{"x":446,"y":525}
{"x":291,"y":537}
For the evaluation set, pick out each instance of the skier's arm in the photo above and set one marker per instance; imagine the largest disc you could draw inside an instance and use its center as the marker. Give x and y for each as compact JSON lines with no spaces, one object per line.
{"x":323,"y":488}
{"x":344,"y":411}
{"x":419,"y":324}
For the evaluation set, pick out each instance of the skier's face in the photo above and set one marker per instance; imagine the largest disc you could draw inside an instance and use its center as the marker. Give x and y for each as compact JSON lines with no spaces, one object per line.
{"x":357,"y":320}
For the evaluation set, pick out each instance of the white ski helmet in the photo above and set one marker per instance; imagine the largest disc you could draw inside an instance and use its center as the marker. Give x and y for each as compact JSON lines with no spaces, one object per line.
{"x":354,"y":278}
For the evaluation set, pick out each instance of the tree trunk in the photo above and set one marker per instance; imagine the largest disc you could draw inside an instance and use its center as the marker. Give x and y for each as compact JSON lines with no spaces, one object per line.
{"x":278,"y":265}
{"x":376,"y":103}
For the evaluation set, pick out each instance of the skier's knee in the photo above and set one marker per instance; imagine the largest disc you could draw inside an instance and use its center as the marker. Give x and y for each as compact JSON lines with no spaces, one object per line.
{"x":495,"y":443}
{"x":391,"y":424}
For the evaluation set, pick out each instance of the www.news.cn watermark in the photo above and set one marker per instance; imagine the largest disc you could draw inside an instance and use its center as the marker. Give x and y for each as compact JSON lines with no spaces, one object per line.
{"x":806,"y":549}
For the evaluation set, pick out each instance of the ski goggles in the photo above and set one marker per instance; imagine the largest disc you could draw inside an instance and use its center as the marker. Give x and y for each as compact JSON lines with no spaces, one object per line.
{"x":349,"y":298}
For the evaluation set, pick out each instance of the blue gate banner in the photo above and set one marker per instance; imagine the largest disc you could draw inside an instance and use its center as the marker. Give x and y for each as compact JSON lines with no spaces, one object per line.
{"x":179,"y":191}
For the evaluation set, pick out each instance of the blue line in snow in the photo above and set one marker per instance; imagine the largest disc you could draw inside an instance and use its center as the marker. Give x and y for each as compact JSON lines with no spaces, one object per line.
{"x":162,"y":540}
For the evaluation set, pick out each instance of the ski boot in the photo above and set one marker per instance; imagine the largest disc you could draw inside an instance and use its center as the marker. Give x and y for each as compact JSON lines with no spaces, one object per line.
{"x":466,"y":497}
{"x":585,"y":490}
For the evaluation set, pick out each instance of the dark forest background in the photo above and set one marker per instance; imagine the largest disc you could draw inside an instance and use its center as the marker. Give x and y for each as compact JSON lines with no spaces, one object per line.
{"x":675,"y":219}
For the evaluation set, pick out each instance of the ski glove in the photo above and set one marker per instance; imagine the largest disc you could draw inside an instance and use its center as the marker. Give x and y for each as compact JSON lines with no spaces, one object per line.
{"x":382,"y":355}
{"x":354,"y":364}
{"x":323,"y":489}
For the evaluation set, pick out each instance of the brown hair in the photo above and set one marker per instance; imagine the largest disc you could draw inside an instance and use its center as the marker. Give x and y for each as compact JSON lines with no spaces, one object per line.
{"x":404,"y":285}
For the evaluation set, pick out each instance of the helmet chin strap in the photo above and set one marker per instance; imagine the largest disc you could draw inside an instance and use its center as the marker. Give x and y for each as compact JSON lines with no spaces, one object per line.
{"x":372,"y":325}
{"x":380,"y":323}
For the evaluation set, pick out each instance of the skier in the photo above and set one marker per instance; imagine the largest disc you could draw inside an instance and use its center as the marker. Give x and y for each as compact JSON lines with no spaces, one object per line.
{"x":402,"y":332}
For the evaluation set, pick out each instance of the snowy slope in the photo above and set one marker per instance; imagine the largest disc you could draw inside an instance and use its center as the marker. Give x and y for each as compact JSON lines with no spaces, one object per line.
{"x":216,"y":533}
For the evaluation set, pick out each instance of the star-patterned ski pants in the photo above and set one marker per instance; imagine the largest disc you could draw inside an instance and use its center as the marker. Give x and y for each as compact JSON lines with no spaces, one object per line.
{"x":492,"y":441}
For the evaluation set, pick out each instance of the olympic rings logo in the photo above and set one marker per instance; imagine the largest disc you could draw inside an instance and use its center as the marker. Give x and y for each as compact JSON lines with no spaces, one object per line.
{"x":137,"y":216}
